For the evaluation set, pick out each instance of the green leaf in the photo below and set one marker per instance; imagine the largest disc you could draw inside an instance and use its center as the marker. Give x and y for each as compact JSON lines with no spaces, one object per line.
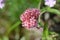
{"x":55,"y":11}
{"x":51,"y":10}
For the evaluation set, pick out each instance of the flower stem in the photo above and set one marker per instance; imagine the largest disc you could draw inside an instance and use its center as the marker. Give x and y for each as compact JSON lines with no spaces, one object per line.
{"x":45,"y":32}
{"x":13,"y":27}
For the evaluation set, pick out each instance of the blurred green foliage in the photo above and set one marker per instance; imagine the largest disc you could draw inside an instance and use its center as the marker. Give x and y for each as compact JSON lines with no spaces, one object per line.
{"x":10,"y":14}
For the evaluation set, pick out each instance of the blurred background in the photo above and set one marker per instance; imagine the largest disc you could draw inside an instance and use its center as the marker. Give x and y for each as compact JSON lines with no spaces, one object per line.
{"x":10,"y":24}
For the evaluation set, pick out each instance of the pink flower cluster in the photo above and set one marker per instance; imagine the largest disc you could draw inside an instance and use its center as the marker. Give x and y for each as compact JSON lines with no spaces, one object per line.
{"x":29,"y":18}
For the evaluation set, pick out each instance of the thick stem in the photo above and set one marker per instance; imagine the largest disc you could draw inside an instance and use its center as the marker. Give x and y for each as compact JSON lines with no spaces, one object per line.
{"x":46,"y":32}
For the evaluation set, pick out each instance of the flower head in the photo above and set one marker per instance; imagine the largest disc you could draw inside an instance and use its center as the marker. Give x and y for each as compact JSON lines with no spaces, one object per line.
{"x":50,"y":3}
{"x":29,"y":18}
